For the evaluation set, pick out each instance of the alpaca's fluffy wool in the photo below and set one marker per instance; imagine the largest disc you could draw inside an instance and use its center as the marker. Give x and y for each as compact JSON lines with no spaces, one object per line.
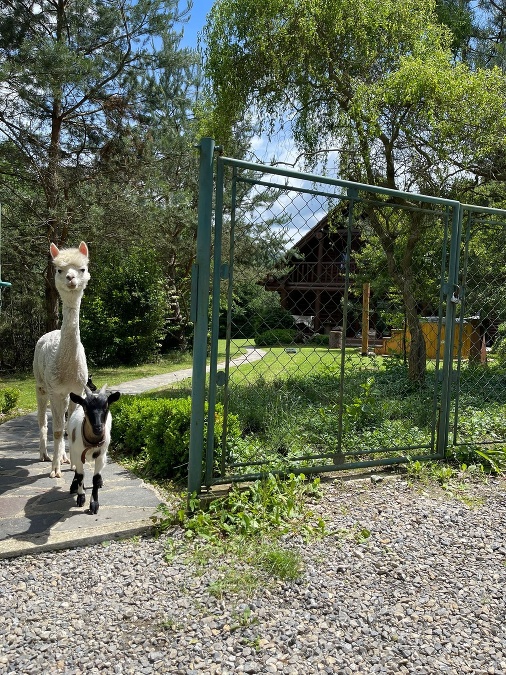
{"x":59,"y":363}
{"x":71,"y":257}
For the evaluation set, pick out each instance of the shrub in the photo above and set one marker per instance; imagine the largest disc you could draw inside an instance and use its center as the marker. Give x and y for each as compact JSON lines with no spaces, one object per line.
{"x":280,"y":336}
{"x":271,"y":316}
{"x":160,"y":429}
{"x":499,"y":347}
{"x":320,"y":340}
{"x":9,"y":398}
{"x":127,"y":306}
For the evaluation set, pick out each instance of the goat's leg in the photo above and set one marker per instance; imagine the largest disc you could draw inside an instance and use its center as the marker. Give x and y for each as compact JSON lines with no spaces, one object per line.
{"x":81,"y":495}
{"x":77,"y":485}
{"x":42,"y":401}
{"x":97,"y":483}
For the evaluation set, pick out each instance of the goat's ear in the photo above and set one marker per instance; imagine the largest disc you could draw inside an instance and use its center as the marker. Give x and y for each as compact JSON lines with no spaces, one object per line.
{"x":53,"y":249}
{"x":83,"y":248}
{"x":77,"y":399}
{"x":113,"y":397}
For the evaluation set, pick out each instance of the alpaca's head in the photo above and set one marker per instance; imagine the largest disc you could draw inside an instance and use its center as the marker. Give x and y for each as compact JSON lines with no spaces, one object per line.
{"x":71,"y":265}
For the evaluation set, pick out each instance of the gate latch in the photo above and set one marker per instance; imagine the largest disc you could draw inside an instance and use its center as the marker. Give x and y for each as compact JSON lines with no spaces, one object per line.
{"x":456,"y":294}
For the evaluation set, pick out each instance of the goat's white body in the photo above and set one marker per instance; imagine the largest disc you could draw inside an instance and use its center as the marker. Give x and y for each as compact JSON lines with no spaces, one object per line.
{"x":59,"y":363}
{"x":80,"y":450}
{"x":76,"y":440}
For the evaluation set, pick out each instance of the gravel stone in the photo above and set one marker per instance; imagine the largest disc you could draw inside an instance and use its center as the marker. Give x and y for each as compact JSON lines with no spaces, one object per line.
{"x":424,"y":592}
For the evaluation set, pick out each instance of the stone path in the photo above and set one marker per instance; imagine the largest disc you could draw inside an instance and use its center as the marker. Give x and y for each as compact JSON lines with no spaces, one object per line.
{"x":37,"y":513}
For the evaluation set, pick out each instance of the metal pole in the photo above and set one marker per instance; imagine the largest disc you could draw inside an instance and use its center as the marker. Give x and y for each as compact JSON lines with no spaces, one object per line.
{"x":215,"y":322}
{"x":366,"y":293}
{"x":451,"y":290}
{"x":199,"y":313}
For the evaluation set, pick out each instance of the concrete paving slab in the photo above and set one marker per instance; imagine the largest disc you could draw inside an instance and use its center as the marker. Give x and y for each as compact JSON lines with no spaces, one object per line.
{"x":38,"y":513}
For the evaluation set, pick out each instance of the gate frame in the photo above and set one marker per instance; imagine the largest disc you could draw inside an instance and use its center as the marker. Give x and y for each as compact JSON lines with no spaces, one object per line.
{"x":200,"y":288}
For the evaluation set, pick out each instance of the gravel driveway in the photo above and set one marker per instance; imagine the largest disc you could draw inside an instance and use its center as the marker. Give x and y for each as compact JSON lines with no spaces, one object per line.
{"x":424,"y":593}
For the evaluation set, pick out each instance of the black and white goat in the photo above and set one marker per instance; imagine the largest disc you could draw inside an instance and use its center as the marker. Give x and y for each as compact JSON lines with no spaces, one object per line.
{"x":89,"y":431}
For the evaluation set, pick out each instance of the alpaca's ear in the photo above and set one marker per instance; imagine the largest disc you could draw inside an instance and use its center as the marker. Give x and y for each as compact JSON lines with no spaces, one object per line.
{"x":77,"y":399}
{"x":53,"y":249}
{"x":83,"y":248}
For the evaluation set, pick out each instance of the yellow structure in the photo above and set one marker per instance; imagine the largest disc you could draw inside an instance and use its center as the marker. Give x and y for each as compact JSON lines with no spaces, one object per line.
{"x":471,"y":341}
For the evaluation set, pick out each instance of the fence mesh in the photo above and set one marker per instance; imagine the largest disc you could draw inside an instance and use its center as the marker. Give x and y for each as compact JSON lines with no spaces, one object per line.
{"x":336,"y":302}
{"x":479,"y":385}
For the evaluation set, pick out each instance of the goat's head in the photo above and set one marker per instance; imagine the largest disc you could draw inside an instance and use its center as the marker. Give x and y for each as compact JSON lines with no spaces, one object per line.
{"x":96,"y":407}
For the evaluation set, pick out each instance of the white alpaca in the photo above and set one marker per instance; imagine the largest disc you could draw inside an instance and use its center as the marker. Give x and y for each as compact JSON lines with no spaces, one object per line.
{"x":59,"y":362}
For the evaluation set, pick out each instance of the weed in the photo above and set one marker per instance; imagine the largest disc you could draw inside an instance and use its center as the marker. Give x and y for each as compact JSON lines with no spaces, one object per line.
{"x":235,"y":581}
{"x":238,"y":535}
{"x":280,"y":562}
{"x":244,"y":619}
{"x":362,"y":535}
{"x":171,"y":624}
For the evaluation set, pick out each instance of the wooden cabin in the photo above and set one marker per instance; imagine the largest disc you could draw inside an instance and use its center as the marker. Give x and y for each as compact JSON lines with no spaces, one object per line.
{"x":314,"y":284}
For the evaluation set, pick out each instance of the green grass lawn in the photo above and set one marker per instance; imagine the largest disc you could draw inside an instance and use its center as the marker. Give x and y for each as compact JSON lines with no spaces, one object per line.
{"x":297,"y":403}
{"x":111,"y":376}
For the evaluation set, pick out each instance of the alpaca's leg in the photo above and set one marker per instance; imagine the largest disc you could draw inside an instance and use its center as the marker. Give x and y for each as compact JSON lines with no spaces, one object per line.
{"x":58,"y":407}
{"x":42,"y":401}
{"x":97,"y":482}
{"x":66,"y":417}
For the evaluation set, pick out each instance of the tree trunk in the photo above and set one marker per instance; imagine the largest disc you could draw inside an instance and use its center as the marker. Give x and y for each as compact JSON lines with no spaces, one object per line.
{"x":52,"y":300}
{"x":417,"y":359}
{"x":52,"y":188}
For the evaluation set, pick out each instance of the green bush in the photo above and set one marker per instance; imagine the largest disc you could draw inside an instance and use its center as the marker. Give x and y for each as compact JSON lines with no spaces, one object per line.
{"x":320,"y":340}
{"x":271,"y":316}
{"x":280,"y":336}
{"x":125,"y":310}
{"x":499,"y":347}
{"x":9,"y":398}
{"x":160,"y":429}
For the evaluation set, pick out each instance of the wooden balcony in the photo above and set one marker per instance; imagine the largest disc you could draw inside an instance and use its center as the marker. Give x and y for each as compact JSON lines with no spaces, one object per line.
{"x":316,"y":275}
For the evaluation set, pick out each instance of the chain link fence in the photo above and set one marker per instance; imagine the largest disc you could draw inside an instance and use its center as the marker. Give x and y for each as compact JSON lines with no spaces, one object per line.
{"x":479,"y":382}
{"x":338,"y":318}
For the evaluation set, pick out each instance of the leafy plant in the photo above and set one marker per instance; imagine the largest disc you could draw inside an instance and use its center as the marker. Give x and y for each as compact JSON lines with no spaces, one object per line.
{"x":277,"y":336}
{"x":9,"y":398}
{"x":268,"y":506}
{"x":245,"y":526}
{"x":157,"y":432}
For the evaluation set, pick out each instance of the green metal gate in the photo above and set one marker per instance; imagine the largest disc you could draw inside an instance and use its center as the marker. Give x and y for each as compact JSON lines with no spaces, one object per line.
{"x":477,"y":407}
{"x":333,"y":392}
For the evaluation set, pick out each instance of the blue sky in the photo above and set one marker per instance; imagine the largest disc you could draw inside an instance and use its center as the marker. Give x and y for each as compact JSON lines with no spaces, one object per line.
{"x":197,"y":20}
{"x":303,"y":213}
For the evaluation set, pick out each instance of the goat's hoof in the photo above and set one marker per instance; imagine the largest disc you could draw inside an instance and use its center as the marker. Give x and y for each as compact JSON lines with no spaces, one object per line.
{"x":55,"y":473}
{"x":80,"y":500}
{"x":45,"y":457}
{"x":65,"y":460}
{"x":94,"y":507}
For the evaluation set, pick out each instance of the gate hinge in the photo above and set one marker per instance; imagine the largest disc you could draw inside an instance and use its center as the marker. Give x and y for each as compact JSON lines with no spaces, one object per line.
{"x":194,"y":292}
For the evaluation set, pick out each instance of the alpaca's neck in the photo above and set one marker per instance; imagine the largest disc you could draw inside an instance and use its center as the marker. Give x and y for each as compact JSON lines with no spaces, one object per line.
{"x":70,"y":338}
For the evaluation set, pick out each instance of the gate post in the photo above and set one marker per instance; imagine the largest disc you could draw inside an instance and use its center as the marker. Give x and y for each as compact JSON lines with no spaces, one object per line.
{"x":451,"y":290}
{"x":199,"y":313}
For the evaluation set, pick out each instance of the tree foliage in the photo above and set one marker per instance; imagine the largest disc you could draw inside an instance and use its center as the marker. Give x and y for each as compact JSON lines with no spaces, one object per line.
{"x":374,"y":84}
{"x":80,"y":82}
